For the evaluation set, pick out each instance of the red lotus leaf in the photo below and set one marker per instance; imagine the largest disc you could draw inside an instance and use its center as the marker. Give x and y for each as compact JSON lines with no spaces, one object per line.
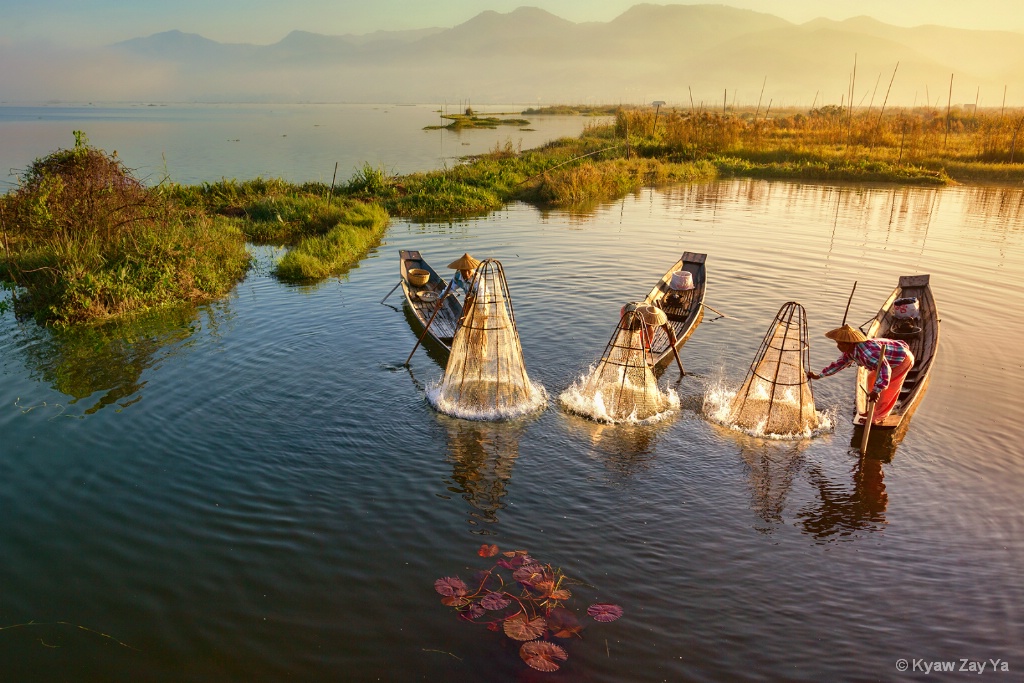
{"x":487,"y":550}
{"x":455,"y":601}
{"x":602,"y":611}
{"x":514,"y":553}
{"x":493,"y":626}
{"x":506,"y":564}
{"x":563,"y":624}
{"x":543,"y":586}
{"x":543,"y":655}
{"x":450,"y":585}
{"x":519,"y":560}
{"x":495,"y":601}
{"x":474,"y":611}
{"x":561,"y":594}
{"x":518,"y":628}
{"x":529,"y":574}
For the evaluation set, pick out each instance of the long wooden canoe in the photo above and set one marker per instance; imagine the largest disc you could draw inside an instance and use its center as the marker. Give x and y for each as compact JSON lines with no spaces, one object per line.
{"x":923,"y":344}
{"x":424,"y":300}
{"x":684,"y":312}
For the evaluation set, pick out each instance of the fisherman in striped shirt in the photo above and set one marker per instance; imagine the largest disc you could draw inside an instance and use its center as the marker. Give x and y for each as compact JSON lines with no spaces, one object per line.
{"x":896,"y":361}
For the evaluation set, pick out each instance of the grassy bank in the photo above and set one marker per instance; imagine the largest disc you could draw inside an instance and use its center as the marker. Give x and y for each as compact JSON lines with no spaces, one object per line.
{"x":651,"y":147}
{"x":84,"y":241}
{"x":326,"y":233}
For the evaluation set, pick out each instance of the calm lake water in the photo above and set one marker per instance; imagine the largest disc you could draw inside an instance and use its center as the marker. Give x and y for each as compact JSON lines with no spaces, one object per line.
{"x":258,"y":490}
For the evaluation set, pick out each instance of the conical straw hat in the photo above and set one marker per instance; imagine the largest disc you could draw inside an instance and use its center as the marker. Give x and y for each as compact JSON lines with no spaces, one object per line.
{"x":652,"y":315}
{"x":465,"y":262}
{"x":846,"y":334}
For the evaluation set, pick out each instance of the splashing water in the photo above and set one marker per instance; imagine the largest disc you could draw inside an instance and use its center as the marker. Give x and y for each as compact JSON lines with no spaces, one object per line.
{"x":600,"y":401}
{"x":485,"y":378}
{"x":474,"y":404}
{"x":718,"y":408}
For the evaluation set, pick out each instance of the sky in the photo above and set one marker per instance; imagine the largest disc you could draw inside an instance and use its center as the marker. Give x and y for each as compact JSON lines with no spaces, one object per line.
{"x":93,"y":23}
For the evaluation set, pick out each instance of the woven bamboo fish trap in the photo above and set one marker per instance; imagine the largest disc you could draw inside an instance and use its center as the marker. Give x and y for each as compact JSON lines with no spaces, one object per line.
{"x":485,"y":375}
{"x":623,"y":384}
{"x":776,"y":398}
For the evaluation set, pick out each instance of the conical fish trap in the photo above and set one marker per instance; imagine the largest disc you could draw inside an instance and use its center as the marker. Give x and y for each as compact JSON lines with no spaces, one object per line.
{"x":485,"y":374}
{"x":623,"y":384}
{"x":776,"y":398}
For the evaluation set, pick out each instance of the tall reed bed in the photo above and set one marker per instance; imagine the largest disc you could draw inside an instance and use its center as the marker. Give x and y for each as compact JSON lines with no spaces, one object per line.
{"x":969,"y":145}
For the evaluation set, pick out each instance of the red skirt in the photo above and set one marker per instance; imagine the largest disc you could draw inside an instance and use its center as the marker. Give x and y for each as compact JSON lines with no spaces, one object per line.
{"x":888,"y":396}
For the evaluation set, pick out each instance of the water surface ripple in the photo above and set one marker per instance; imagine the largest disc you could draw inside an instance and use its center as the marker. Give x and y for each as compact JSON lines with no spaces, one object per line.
{"x":259,"y":490}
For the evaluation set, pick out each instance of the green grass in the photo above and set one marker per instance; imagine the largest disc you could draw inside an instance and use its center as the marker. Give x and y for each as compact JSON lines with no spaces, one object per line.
{"x":324,"y":254}
{"x":84,"y":241}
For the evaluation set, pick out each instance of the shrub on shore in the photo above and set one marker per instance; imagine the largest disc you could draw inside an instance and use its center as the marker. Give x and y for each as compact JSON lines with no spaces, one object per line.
{"x":85,"y":241}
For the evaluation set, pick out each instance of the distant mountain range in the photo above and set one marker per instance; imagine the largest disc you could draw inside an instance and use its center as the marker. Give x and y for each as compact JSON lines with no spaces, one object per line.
{"x":710,"y":53}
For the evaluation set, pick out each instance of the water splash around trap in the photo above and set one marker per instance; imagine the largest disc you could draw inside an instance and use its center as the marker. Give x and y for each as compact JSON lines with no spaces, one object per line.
{"x":600,"y":405}
{"x":718,"y":408}
{"x":775,"y":400}
{"x":622,"y":387}
{"x":485,"y":378}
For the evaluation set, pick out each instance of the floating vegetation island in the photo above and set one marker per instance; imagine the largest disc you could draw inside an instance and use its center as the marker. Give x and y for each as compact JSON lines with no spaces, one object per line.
{"x":463,"y":121}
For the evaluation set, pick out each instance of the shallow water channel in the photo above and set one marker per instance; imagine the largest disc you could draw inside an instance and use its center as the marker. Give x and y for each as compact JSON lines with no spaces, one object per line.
{"x":258,"y":490}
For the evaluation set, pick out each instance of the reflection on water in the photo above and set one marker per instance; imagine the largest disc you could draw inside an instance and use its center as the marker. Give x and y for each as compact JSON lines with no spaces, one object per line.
{"x":999,"y":207}
{"x":103,"y":365}
{"x":841,"y":509}
{"x":770,"y":473}
{"x":261,"y":518}
{"x":482,"y":455}
{"x":625,"y":448}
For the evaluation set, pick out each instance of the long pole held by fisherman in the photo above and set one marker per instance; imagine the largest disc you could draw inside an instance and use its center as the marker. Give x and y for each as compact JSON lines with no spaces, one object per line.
{"x":848,"y":302}
{"x":871,"y":408}
{"x":440,"y":303}
{"x":675,"y":352}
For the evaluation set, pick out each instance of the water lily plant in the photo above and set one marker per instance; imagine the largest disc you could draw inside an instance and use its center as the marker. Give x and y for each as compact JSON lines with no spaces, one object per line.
{"x":525,"y":600}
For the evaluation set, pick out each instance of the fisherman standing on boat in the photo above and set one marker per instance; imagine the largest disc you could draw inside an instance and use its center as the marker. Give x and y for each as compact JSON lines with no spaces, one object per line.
{"x":890,"y":357}
{"x":465,"y":269}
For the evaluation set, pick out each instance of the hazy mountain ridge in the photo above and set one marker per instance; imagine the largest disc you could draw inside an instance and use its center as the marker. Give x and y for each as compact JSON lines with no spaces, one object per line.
{"x":529,"y":55}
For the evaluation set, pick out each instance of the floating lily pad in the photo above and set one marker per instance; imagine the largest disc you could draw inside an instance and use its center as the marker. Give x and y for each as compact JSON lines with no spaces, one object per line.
{"x":450,"y":585}
{"x":530,"y":574}
{"x":487,"y":550}
{"x":474,"y":611}
{"x":518,"y":628}
{"x":495,"y":601}
{"x":543,"y":655}
{"x":563,"y":624}
{"x":604,"y":612}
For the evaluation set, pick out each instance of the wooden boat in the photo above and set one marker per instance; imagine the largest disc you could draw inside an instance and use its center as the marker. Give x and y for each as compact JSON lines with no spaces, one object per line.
{"x":424,"y":300}
{"x":684,"y":310}
{"x":924,"y":344}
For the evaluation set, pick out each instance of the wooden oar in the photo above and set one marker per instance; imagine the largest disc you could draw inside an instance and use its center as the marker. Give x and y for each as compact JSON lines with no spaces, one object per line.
{"x":672,"y":341}
{"x":429,"y":322}
{"x":718,"y":312}
{"x":871,"y":408}
{"x":391,"y":292}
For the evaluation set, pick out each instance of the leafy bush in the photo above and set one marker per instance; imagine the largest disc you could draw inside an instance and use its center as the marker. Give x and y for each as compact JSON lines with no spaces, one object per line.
{"x":87,"y":241}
